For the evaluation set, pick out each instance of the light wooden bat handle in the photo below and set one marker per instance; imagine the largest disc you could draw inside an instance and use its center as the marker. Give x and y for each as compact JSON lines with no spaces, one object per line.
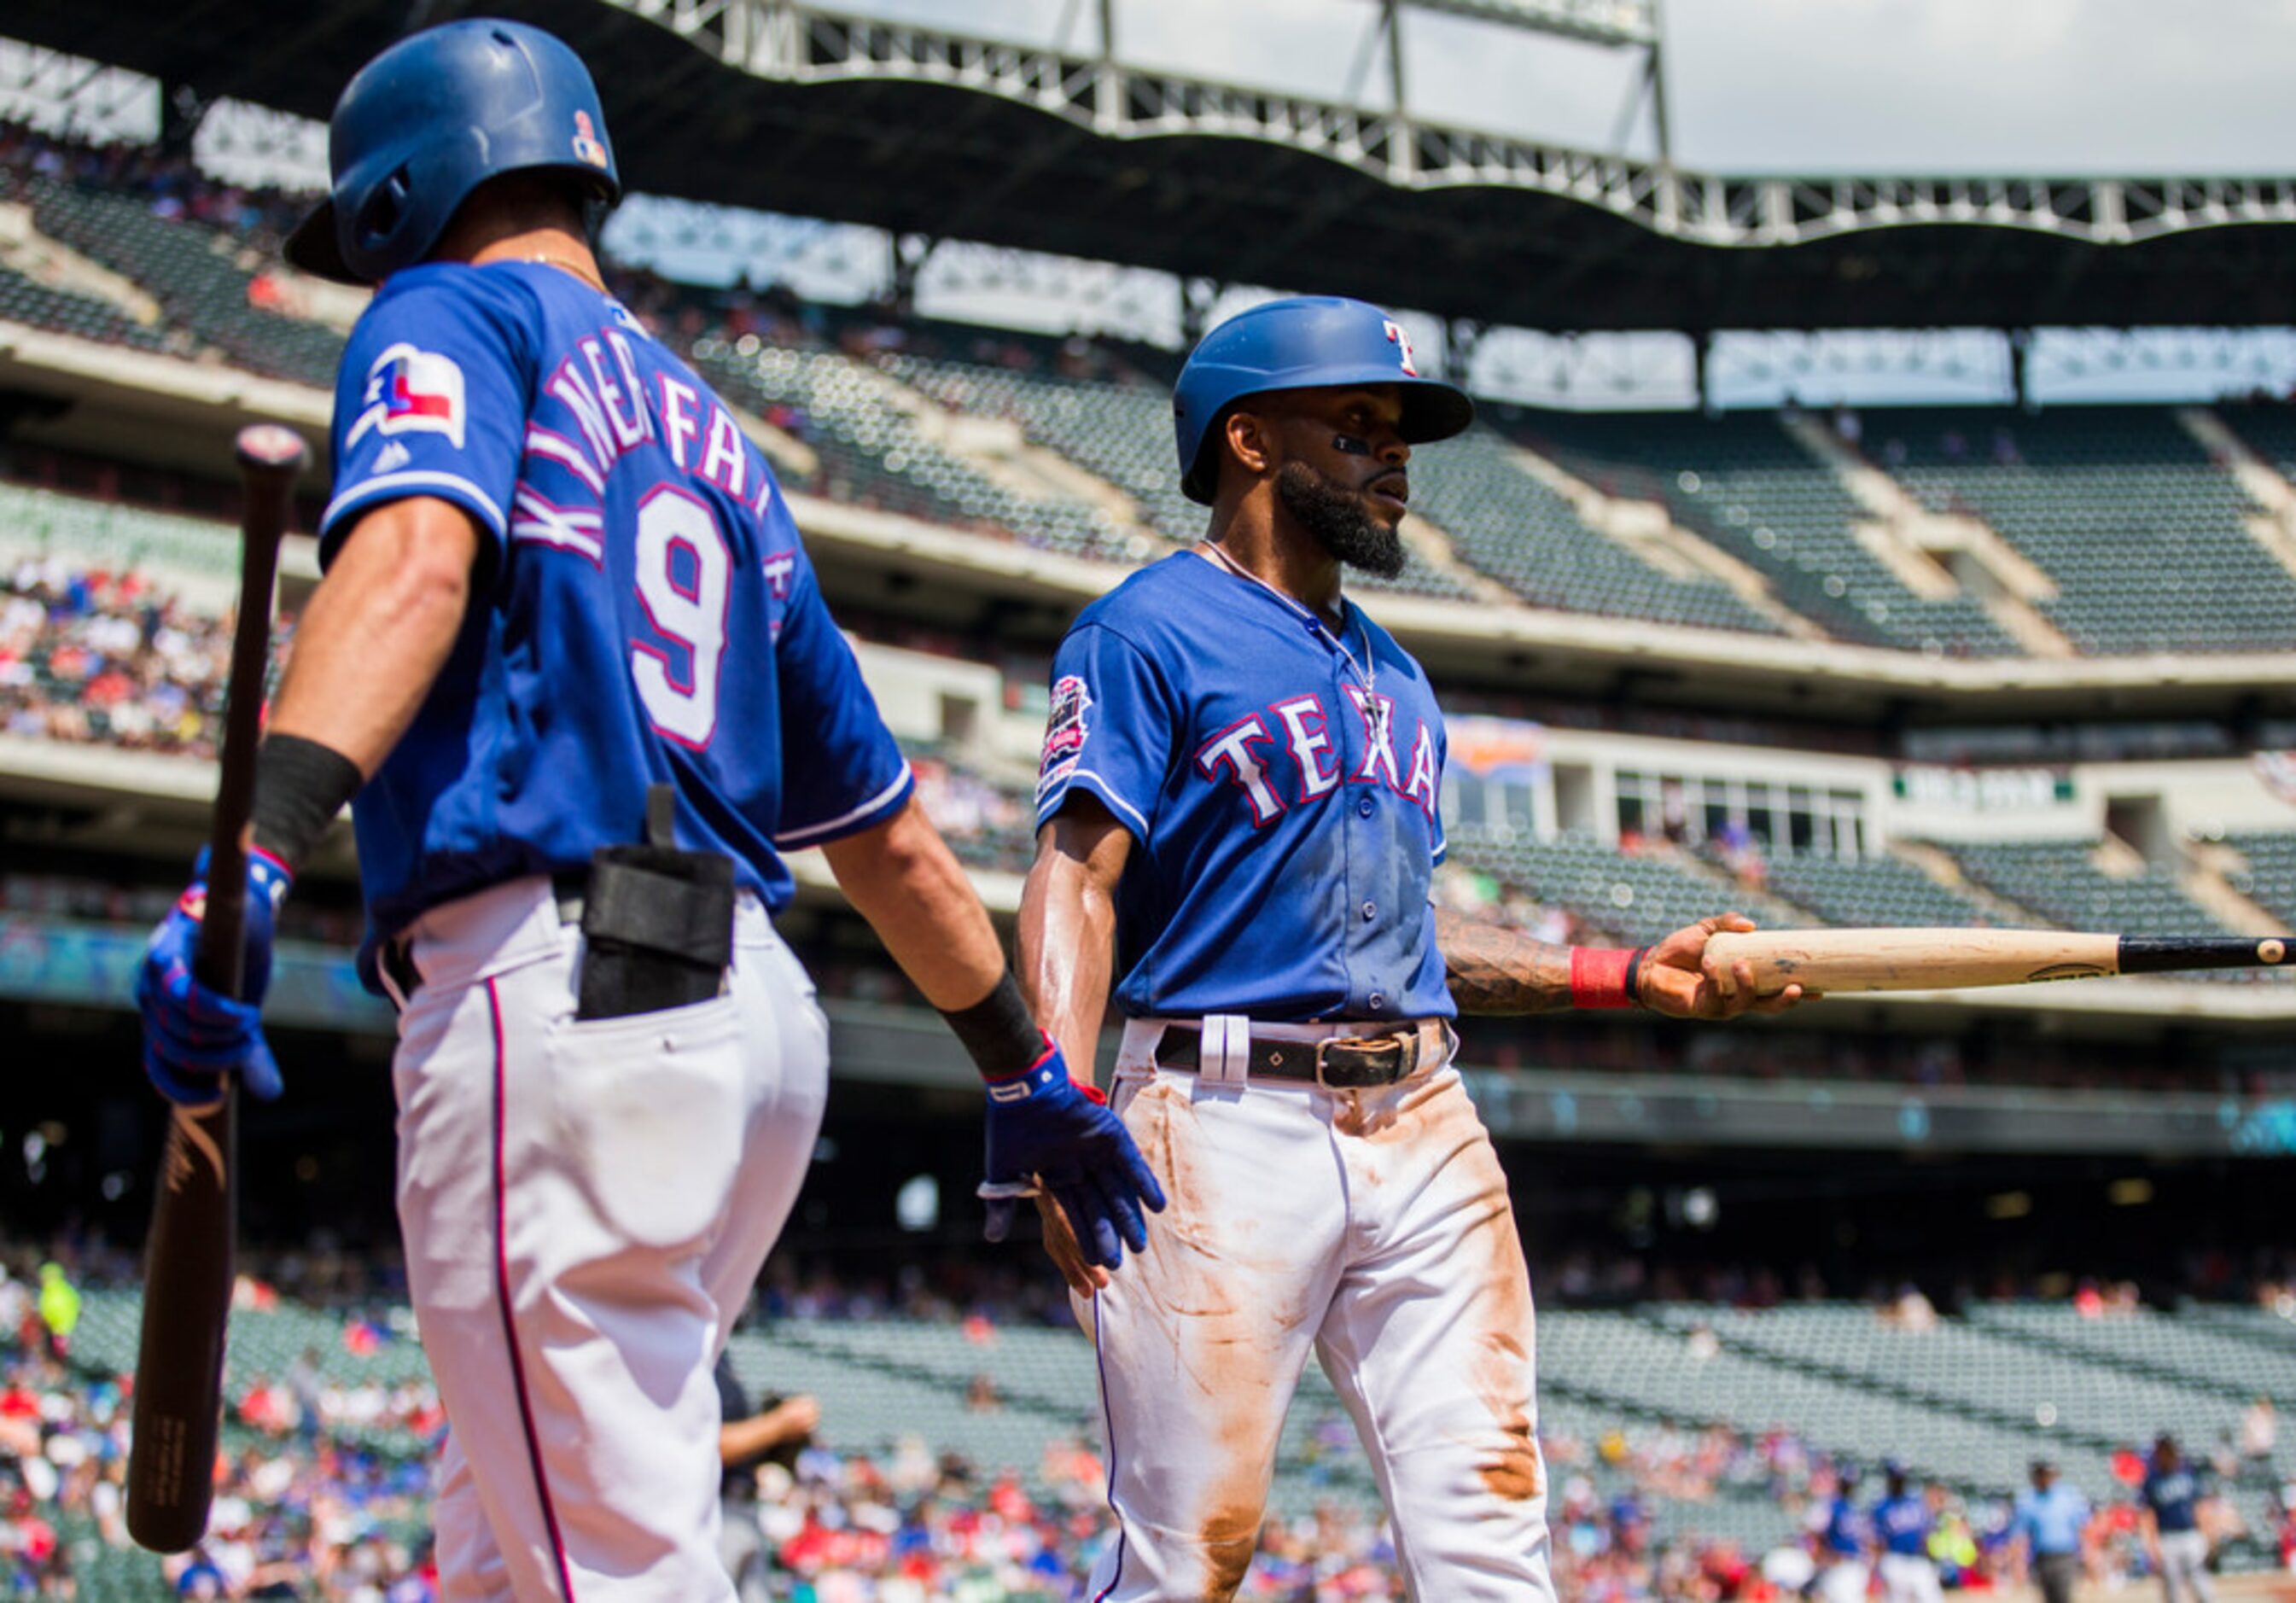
{"x":1938,"y":959}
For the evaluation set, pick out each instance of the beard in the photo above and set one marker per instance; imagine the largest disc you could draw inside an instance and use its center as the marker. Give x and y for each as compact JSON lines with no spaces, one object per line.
{"x":1340,"y":520}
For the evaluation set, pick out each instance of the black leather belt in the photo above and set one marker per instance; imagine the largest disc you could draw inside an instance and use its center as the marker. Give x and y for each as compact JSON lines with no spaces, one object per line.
{"x":1340,"y":1063}
{"x":395,"y":957}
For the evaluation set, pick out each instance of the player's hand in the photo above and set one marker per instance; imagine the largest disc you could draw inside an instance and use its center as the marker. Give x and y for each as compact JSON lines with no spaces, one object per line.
{"x":1047,"y":1133}
{"x":1678,"y":979}
{"x":1060,"y":1242}
{"x":194,"y":1036}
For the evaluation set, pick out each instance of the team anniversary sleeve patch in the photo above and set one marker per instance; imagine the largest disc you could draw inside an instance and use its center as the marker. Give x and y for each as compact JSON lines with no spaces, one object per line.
{"x":1065,"y":730}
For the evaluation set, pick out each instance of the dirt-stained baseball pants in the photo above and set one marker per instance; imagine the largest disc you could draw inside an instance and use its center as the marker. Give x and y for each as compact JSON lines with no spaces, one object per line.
{"x":1372,"y":1228}
{"x":586,"y":1207}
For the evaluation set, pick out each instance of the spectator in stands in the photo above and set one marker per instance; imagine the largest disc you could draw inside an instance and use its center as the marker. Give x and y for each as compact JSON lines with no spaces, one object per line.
{"x":2172,"y":1496}
{"x":2051,"y":1519}
{"x":59,"y":1307}
{"x":2259,"y":1429}
{"x":773,"y":1432}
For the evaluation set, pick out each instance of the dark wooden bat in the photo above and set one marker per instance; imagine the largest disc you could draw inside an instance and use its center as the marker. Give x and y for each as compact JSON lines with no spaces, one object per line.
{"x":1940,"y":959}
{"x":187,"y":1259}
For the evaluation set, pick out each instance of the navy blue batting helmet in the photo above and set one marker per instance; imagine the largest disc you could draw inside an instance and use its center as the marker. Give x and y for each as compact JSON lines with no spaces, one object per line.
{"x":431,"y":119}
{"x":1304,"y":342}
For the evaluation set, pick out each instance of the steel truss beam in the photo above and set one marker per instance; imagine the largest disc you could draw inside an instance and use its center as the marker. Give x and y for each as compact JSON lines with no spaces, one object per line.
{"x":786,"y":41}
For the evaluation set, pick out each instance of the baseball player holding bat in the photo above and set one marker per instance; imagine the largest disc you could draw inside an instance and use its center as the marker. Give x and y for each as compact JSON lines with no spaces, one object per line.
{"x":1238,"y":823}
{"x":570,"y":659}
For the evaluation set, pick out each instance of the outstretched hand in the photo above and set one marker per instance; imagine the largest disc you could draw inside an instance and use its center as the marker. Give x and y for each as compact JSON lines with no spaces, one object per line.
{"x":1055,"y":1140}
{"x":1678,"y":978}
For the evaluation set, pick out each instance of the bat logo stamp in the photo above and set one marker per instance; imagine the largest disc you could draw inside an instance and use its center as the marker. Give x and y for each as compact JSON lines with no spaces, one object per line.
{"x":186,"y":1137}
{"x":2068,"y":971}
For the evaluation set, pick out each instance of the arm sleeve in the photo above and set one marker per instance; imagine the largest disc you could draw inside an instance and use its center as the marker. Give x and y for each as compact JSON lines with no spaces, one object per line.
{"x":430,"y":401}
{"x":841,"y":772}
{"x":1110,"y":732}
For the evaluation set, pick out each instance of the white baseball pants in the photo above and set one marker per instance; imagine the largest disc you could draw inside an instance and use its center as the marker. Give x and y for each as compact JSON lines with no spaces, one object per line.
{"x":1844,"y":1582}
{"x":1910,"y":1578}
{"x":2185,"y":1567}
{"x":585,"y":1207}
{"x":1374,"y":1228}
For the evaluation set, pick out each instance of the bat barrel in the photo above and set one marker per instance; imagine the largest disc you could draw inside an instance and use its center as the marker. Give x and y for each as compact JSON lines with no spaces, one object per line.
{"x":2166,"y":954}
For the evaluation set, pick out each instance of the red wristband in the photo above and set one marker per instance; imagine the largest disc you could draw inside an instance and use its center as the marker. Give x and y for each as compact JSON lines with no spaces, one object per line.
{"x":1598,"y":976}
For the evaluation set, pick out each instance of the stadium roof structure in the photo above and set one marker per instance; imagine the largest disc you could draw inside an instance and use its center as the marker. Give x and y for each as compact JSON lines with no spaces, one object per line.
{"x":791,"y":107}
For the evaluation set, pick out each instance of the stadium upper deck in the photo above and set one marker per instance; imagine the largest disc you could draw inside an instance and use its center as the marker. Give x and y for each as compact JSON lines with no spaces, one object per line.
{"x":1938,"y":535}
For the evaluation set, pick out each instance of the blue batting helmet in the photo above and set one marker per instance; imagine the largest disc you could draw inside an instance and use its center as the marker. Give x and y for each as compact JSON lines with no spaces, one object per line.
{"x":1304,"y":342}
{"x":431,"y":119}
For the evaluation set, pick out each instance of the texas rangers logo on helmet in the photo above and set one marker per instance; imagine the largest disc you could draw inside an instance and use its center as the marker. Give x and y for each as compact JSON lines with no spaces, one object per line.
{"x":586,"y":147}
{"x":411,"y":390}
{"x":1402,"y":343}
{"x":1065,"y":730}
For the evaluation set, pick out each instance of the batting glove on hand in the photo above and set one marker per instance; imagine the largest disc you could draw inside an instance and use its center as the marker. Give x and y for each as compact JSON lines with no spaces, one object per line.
{"x":1047,"y":1132}
{"x":194,"y":1036}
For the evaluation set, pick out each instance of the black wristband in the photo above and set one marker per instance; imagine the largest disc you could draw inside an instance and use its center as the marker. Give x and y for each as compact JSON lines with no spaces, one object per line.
{"x":1634,"y":977}
{"x":999,"y":1031}
{"x":300,"y":787}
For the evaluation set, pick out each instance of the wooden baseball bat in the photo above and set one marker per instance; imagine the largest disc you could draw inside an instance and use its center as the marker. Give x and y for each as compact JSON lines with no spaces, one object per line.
{"x":1938,"y":959}
{"x":187,"y":1259}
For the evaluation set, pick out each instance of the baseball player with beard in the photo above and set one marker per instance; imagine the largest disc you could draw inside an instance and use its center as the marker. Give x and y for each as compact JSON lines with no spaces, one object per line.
{"x":571,"y":657}
{"x":1238,"y":823}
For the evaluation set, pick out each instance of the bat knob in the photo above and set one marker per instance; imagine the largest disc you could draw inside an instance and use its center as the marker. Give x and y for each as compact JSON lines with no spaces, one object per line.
{"x":271,"y":447}
{"x":2271,"y":952}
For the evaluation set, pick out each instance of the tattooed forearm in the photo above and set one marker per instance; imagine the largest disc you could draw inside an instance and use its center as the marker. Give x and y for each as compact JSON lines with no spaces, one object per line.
{"x":1492,"y":970}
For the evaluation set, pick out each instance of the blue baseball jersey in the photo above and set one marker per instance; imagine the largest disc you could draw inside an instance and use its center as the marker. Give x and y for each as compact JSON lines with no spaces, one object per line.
{"x":1282,"y":798}
{"x":1844,"y":1530}
{"x":645,"y":611}
{"x":1902,"y":1524}
{"x":2171,"y":1494}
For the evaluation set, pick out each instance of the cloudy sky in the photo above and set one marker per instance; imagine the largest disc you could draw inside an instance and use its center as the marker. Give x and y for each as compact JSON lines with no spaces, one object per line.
{"x":2049,"y":86}
{"x":1822,"y":85}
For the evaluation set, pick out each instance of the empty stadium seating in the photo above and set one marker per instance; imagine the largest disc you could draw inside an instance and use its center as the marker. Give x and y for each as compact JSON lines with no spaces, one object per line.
{"x":2270,"y":881}
{"x":1874,"y":890}
{"x":1638,"y":898}
{"x":2143,"y":534}
{"x":58,"y":311}
{"x":1524,"y":535}
{"x":2058,"y":880}
{"x":196,"y":272}
{"x":892,"y":461}
{"x":1749,"y":487}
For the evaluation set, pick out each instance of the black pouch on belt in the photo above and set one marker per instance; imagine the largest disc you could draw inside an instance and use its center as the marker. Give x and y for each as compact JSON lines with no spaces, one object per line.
{"x":657,"y":924}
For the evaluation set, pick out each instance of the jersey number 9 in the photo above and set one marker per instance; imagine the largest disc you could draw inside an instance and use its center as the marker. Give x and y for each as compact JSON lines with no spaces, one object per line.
{"x":688,"y":609}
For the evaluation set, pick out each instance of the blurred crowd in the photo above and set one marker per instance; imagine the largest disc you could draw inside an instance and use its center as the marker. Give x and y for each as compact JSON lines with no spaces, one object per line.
{"x":92,"y":655}
{"x":322,"y":1491}
{"x":171,"y":184}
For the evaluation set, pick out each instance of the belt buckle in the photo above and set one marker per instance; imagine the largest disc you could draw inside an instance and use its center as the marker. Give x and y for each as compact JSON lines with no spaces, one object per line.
{"x":1403,"y":1046}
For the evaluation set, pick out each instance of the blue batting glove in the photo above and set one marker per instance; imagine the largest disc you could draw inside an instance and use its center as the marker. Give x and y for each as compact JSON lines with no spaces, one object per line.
{"x":194,"y":1036}
{"x":1047,"y":1132}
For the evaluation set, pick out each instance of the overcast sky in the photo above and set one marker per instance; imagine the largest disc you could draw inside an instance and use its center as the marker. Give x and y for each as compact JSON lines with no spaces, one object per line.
{"x":1754,"y":85}
{"x":1813,"y":86}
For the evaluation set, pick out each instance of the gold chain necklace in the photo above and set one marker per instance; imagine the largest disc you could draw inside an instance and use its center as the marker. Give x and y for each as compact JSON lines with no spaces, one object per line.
{"x":568,"y":264}
{"x":1367,"y":671}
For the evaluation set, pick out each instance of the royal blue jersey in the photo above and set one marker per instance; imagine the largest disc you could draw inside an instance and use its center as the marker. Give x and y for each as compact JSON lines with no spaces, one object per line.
{"x":2171,"y":1494}
{"x":1283,"y":811}
{"x":1844,"y":1531}
{"x":645,"y":611}
{"x":1902,"y":1524}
